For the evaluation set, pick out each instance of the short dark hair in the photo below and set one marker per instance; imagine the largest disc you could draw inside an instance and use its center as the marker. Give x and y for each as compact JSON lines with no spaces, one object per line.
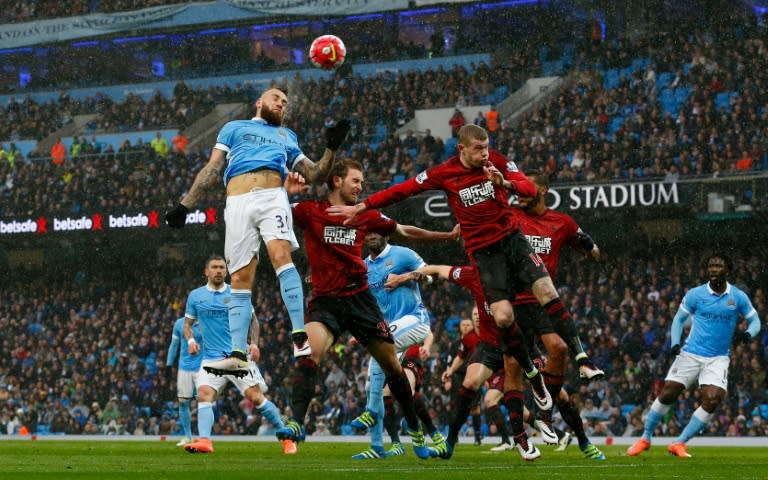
{"x":725,"y":258}
{"x":341,"y":168}
{"x":214,"y":256}
{"x":539,"y":177}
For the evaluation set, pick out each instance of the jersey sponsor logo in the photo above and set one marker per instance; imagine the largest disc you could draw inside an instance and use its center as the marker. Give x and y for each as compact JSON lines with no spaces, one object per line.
{"x":476,"y":193}
{"x":422,"y":177}
{"x":540,"y":244}
{"x":339,"y":235}
{"x":511,"y":166}
{"x":258,"y":140}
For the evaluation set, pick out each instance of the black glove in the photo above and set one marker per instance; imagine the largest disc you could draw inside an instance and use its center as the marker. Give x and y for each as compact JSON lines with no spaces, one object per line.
{"x":335,"y":135}
{"x":743,"y":337}
{"x":177,"y":217}
{"x":674,"y":351}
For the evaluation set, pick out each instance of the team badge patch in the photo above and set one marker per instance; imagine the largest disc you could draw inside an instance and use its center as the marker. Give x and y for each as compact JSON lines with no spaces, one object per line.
{"x":456,"y":273}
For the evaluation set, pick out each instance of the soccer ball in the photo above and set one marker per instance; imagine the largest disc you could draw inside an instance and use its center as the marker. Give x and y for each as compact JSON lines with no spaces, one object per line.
{"x":327,"y":52}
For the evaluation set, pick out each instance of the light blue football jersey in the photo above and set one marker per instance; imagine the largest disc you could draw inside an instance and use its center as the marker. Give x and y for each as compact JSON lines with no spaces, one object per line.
{"x":255,"y":144}
{"x":714,"y":318}
{"x":404,"y":300}
{"x":190,"y":363}
{"x":209,"y":308}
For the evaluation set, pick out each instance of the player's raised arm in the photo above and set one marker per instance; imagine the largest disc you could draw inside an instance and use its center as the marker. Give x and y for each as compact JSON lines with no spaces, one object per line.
{"x":317,"y":173}
{"x":415,"y":234}
{"x":508,"y":176}
{"x":206,"y":178}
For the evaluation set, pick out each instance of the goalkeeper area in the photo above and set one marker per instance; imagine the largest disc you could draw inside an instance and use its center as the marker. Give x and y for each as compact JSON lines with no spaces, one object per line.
{"x":137,"y":460}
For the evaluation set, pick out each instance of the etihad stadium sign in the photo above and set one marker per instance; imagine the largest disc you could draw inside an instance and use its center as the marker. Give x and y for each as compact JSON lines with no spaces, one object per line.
{"x":620,"y":195}
{"x":585,"y":197}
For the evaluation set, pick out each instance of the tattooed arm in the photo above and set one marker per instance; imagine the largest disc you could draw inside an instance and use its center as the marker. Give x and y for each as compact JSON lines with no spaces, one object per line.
{"x":206,"y":178}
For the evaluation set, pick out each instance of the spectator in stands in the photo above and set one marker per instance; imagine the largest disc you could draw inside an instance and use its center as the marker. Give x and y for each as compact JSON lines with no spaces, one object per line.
{"x":456,"y":121}
{"x":58,"y":152}
{"x":160,"y":145}
{"x":180,"y":142}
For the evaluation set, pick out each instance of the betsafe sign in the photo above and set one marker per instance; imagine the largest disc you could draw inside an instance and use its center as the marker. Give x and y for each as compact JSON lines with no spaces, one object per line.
{"x":95,"y":222}
{"x":585,"y":197}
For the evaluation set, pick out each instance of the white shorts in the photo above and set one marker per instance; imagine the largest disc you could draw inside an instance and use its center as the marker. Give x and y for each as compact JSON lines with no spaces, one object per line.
{"x":186,"y":382}
{"x":253,"y":379}
{"x":407,"y":331}
{"x":263,"y":213}
{"x":687,"y":368}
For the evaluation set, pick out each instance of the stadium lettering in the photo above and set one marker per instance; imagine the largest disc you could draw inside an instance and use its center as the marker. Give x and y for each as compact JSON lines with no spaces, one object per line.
{"x":616,"y":196}
{"x":125,"y":221}
{"x":29,"y":226}
{"x":72,"y":224}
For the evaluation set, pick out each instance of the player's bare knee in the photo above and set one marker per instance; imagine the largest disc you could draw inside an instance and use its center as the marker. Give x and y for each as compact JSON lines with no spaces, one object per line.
{"x":544,"y":290}
{"x":255,"y":395}
{"x":503,"y":313}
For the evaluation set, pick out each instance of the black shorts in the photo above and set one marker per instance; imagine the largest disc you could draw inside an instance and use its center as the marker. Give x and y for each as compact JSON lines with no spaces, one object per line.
{"x":359,"y":314}
{"x":533,"y":321}
{"x":508,"y":266}
{"x":489,"y":356}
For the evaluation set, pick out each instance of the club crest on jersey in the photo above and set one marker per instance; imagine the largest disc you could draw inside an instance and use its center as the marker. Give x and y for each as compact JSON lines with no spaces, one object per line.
{"x":339,"y":235}
{"x":456,"y":273}
{"x":389,"y":264}
{"x":731,"y":303}
{"x":511,"y":166}
{"x":281,"y":132}
{"x":227,"y":300}
{"x":420,"y":178}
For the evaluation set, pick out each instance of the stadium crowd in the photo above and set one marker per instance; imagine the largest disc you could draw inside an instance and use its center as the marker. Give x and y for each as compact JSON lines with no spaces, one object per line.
{"x":87,"y":354}
{"x":593,"y":129}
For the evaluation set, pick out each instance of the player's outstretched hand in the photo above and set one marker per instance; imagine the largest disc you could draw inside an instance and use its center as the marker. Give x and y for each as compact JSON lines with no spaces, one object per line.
{"x":335,"y":135}
{"x":177,"y":217}
{"x":346,"y":211}
{"x":295,"y":184}
{"x":456,"y":233}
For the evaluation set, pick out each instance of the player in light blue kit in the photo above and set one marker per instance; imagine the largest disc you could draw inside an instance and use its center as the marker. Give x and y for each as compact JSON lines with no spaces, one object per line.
{"x":408,"y":321}
{"x":254,"y":157}
{"x":714,"y":308}
{"x":186,"y":378}
{"x":208,"y":306}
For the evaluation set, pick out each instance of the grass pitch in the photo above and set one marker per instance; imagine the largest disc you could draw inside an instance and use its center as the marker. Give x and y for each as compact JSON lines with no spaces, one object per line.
{"x":330,"y":461}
